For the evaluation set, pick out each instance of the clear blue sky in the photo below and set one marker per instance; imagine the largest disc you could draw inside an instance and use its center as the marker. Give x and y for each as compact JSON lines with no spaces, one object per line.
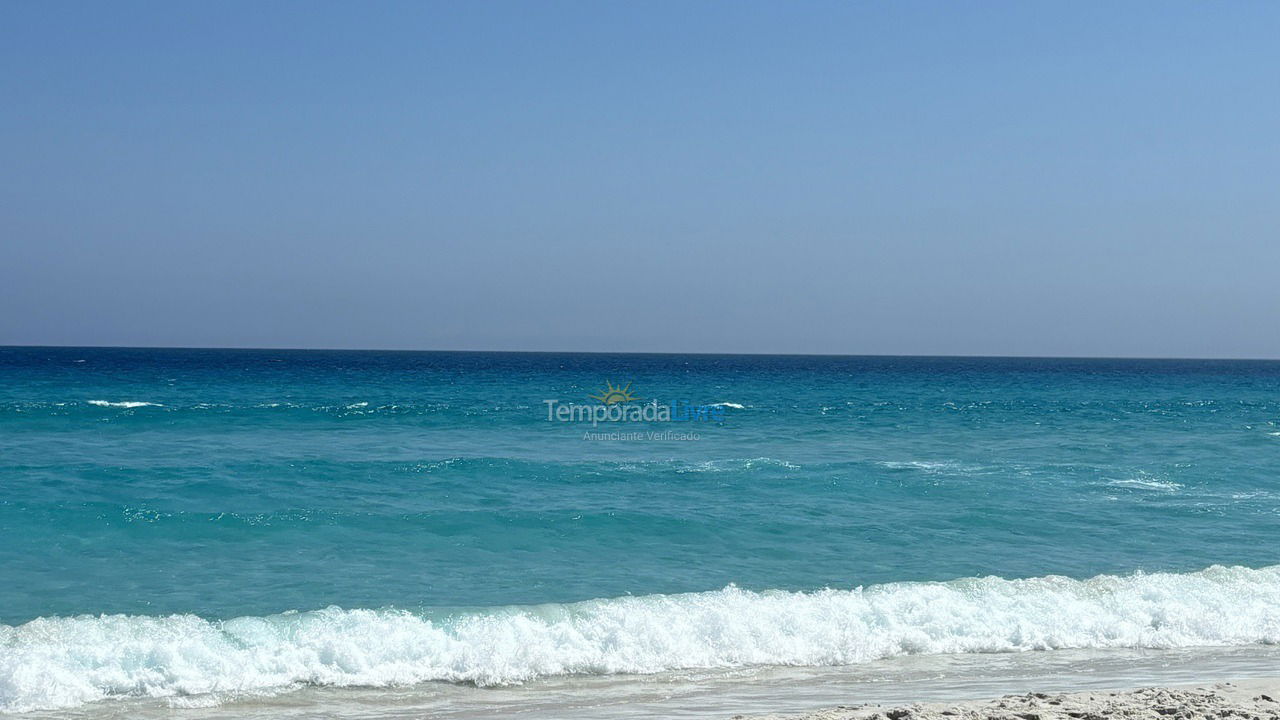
{"x":1038,"y":178}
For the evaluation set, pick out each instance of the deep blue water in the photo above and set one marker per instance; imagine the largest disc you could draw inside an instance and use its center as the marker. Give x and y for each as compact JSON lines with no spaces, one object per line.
{"x":257,"y":482}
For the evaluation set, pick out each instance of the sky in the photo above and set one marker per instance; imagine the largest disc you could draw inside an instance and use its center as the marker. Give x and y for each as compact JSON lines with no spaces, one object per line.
{"x":938,"y":178}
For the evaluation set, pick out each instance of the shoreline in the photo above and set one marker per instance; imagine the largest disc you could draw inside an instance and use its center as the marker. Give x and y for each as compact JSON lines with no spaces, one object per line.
{"x":1253,"y":699}
{"x":1068,"y":688}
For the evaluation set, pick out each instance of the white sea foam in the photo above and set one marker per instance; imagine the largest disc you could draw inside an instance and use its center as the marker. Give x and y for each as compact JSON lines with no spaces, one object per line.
{"x":124,"y":404}
{"x":64,"y":662}
{"x":932,"y":467}
{"x":1146,"y":483}
{"x":735,"y":464}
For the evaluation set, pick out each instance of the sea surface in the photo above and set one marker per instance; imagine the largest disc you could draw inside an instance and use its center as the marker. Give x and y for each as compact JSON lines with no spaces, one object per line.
{"x":235,"y":533}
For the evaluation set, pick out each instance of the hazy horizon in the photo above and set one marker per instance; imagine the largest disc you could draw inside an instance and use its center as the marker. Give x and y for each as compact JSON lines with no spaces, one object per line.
{"x":625,"y":352}
{"x":919,"y":178}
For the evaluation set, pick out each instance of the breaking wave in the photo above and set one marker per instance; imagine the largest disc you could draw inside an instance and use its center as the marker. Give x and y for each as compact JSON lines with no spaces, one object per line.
{"x":60,"y":662}
{"x":124,"y":404}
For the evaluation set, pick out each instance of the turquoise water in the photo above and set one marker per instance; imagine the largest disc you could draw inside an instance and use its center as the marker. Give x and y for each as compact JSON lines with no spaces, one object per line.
{"x":194,"y":521}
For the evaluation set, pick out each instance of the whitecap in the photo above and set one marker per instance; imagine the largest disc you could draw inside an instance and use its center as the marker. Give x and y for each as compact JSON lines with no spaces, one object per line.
{"x":62,"y":662}
{"x":1141,"y":483}
{"x":124,"y":404}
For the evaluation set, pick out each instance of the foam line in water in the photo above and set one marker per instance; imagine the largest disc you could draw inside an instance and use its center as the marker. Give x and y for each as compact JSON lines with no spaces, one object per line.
{"x":124,"y":404}
{"x":67,"y":661}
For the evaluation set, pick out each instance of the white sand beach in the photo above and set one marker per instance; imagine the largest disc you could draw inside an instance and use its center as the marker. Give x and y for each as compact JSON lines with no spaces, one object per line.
{"x":1247,"y":700}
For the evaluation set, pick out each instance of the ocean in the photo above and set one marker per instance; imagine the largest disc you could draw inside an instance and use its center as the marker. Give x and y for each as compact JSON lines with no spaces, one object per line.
{"x":273,"y":533}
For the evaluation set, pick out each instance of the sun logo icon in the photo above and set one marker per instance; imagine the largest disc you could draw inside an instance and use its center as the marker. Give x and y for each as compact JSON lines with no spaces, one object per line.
{"x":612,"y":395}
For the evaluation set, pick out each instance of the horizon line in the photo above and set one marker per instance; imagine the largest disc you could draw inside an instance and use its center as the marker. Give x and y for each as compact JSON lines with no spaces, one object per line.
{"x":615,"y":352}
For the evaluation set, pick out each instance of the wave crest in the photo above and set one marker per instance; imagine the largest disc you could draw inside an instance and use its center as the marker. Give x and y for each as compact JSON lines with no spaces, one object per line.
{"x":130,"y":404}
{"x":67,"y":661}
